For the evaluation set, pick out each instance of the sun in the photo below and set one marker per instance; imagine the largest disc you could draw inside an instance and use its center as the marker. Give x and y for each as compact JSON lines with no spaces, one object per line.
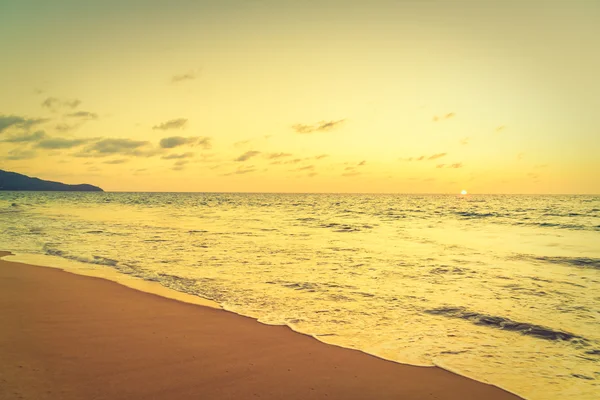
{"x":463,"y":192}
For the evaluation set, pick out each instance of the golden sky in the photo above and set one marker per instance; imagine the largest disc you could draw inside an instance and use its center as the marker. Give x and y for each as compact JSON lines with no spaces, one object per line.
{"x":400,"y":96}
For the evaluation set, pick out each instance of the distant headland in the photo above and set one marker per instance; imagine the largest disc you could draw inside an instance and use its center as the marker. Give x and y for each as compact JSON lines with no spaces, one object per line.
{"x":14,"y":181}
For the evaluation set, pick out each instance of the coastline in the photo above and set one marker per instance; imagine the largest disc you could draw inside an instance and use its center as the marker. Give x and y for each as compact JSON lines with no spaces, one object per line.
{"x":66,"y":336}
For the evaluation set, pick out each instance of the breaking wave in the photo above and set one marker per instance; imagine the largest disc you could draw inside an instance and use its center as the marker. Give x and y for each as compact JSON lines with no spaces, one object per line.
{"x":506,"y":324}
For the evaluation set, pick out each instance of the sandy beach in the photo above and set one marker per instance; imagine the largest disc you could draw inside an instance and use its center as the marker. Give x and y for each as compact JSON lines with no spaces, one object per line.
{"x":65,"y":336}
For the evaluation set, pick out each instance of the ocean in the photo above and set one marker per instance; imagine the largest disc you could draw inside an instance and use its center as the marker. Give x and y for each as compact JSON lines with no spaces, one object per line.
{"x":504,"y":289}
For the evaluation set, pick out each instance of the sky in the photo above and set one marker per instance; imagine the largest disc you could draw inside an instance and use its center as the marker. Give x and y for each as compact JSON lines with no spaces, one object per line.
{"x":376,"y":96}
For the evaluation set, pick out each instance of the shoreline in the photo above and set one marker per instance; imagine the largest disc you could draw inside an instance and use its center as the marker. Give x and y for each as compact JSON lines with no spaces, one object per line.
{"x":323,"y":375}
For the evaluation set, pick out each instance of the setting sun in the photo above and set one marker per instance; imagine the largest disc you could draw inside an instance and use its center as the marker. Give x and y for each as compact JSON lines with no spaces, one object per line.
{"x":463,"y":192}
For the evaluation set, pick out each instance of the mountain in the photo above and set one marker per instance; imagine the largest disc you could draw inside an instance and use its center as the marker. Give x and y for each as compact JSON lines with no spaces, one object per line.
{"x":14,"y":181}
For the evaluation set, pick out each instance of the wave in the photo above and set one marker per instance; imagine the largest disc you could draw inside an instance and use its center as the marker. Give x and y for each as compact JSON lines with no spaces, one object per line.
{"x":582,"y":262}
{"x":473,"y":215}
{"x":346,"y":227}
{"x":98,"y":260}
{"x":507,"y":324}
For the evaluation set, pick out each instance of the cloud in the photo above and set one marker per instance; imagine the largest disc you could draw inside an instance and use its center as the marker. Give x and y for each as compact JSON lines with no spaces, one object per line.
{"x":362,"y":163}
{"x":65,"y":127}
{"x":118,"y":161}
{"x":438,"y":155}
{"x":422,"y":158}
{"x":247,"y":155}
{"x":241,"y":143}
{"x":446,"y":116}
{"x":312,"y":174}
{"x":53,"y":103}
{"x":176,"y":141}
{"x":107,"y":147}
{"x":83,"y":114}
{"x":26,"y":137}
{"x":351,"y":173}
{"x":272,"y":156}
{"x":457,"y":165}
{"x":306,"y":168}
{"x":19,"y":154}
{"x":464,"y":141}
{"x":60,"y":143}
{"x":500,"y":128}
{"x":7,"y":121}
{"x":242,"y":170}
{"x":178,"y":156}
{"x":440,"y":165}
{"x":180,"y":165}
{"x":178,"y":123}
{"x":319,"y":127}
{"x":321,"y":156}
{"x":188,"y":76}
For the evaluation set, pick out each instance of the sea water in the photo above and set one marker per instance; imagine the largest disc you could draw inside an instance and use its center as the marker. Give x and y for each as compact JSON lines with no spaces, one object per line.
{"x":500,"y":288}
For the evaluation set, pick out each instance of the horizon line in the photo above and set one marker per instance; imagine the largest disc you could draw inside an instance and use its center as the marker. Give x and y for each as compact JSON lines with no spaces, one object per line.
{"x":362,"y":193}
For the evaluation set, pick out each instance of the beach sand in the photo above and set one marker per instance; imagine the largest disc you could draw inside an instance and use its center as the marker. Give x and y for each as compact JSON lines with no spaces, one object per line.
{"x":66,"y":336}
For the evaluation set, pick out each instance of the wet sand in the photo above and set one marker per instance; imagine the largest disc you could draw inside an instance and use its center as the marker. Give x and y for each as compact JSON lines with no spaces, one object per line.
{"x":66,"y":336}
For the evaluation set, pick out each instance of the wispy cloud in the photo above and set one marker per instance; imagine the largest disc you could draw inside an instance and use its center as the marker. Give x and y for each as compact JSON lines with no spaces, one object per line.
{"x":63,"y":128}
{"x":437,"y":118}
{"x":319,"y":127}
{"x":118,"y":161}
{"x":438,"y":155}
{"x":176,"y":141}
{"x":457,"y":165}
{"x":15,"y":121}
{"x":272,"y":156}
{"x":464,"y":141}
{"x":178,"y":156}
{"x":188,"y":76}
{"x":242,"y":170}
{"x":54,"y":103}
{"x":178,"y":123}
{"x":247,"y":155}
{"x":422,"y":158}
{"x":83,"y":114}
{"x":180,"y":165}
{"x":321,"y":156}
{"x":20,"y":154}
{"x":362,"y":163}
{"x":440,"y":165}
{"x":351,"y":173}
{"x":60,"y":143}
{"x":26,"y":137}
{"x":241,"y":143}
{"x":107,"y":147}
{"x":500,"y":128}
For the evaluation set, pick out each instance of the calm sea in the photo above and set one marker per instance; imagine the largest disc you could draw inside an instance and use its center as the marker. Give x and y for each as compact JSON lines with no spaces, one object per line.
{"x":503,"y":289}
